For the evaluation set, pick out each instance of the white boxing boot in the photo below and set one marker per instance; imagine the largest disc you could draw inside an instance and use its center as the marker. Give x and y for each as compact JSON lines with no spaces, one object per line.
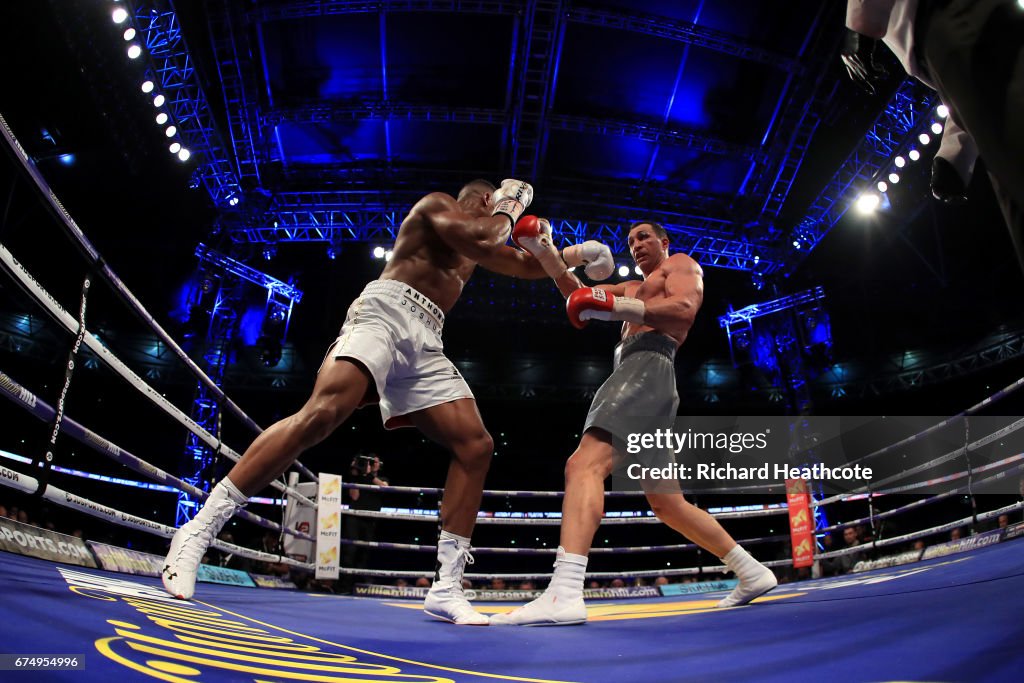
{"x":755,"y":578}
{"x":193,"y":538}
{"x":561,"y":604}
{"x":446,"y":599}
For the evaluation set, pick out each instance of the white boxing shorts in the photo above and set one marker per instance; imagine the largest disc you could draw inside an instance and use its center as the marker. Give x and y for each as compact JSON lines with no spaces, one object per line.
{"x":395,"y":332}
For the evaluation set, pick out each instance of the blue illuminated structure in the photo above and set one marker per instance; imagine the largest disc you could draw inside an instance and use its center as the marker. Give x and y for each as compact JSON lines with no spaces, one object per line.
{"x":893,"y":131}
{"x":737,"y":232}
{"x":216,"y":304}
{"x":173,"y":73}
{"x":786,"y":348}
{"x":348,"y":209}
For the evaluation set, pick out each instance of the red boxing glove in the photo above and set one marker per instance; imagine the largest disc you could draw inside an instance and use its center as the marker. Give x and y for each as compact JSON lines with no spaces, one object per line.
{"x":533,"y":235}
{"x":591,"y":303}
{"x":528,"y":230}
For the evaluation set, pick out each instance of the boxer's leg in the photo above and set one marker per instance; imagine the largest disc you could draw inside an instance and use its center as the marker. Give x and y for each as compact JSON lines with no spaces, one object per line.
{"x":458,"y":427}
{"x":339,"y":387}
{"x":697,"y":525}
{"x":582,"y":508}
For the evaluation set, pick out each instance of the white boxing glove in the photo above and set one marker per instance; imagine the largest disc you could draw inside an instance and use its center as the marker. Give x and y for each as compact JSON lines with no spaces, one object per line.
{"x":595,"y":256}
{"x":512,"y":198}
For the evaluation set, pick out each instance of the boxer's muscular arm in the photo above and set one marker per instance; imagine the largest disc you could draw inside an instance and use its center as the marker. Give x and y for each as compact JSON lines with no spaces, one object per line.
{"x":514,"y":263}
{"x":617,"y":290}
{"x":684,"y":293}
{"x":510,"y":261}
{"x":472,"y":236}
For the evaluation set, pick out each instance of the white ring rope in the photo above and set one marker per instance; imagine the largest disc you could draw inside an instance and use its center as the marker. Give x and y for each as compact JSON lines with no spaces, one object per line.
{"x":942,"y":459}
{"x":648,"y":517}
{"x":1002,"y":393}
{"x":914,"y":535}
{"x":27,"y":484}
{"x":25,"y":279}
{"x":54,"y":494}
{"x":112,"y":279}
{"x":934,"y":499}
{"x":767,"y":488}
{"x":384,"y":545}
{"x":43,"y":411}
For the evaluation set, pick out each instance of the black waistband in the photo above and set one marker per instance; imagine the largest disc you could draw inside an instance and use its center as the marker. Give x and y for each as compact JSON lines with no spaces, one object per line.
{"x":647,"y":341}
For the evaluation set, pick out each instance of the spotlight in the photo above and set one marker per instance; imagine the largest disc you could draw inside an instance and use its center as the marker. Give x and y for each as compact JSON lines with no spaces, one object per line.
{"x":119,"y":15}
{"x":269,"y":252}
{"x":378,"y":252}
{"x":333,"y":251}
{"x":883,"y":186}
{"x":757,"y":259}
{"x":161,"y":119}
{"x":269,"y":350}
{"x":159,"y":100}
{"x":638,"y":271}
{"x":924,"y":138}
{"x":134,"y":51}
{"x":277,"y":312}
{"x":388,"y":254}
{"x":914,"y":155}
{"x":796,"y":244}
{"x":623,"y":271}
{"x":942,"y":112}
{"x":171,"y":130}
{"x":868,"y":202}
{"x":66,"y":159}
{"x":900,"y":162}
{"x":129,"y":35}
{"x":147,"y":87}
{"x":233,"y":201}
{"x":184,"y":154}
{"x":175,"y":147}
{"x":894,"y":178}
{"x":937,"y":128}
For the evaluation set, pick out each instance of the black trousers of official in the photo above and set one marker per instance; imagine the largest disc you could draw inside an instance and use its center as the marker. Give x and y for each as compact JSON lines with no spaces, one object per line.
{"x":974,"y":52}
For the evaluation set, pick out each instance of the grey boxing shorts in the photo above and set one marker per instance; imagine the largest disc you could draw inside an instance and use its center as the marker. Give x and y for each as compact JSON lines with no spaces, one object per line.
{"x":639,"y":396}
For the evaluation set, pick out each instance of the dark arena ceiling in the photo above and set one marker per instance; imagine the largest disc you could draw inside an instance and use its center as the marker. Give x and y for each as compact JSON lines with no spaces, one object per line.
{"x":314,"y":125}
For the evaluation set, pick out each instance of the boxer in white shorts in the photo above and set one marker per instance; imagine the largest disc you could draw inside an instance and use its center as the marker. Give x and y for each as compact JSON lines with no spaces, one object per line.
{"x":390,"y":352}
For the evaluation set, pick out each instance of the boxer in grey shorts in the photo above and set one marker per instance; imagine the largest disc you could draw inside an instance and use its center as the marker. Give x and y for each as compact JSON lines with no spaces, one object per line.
{"x":640,"y":395}
{"x":657,"y":315}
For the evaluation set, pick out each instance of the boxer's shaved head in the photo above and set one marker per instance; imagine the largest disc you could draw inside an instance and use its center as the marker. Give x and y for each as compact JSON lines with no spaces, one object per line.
{"x":477,"y":186}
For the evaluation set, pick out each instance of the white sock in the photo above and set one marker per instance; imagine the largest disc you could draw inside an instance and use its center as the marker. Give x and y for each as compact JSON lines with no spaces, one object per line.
{"x":225,"y":496}
{"x":570,"y":573}
{"x":449,"y":536}
{"x":742,"y":564}
{"x":233,"y":491}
